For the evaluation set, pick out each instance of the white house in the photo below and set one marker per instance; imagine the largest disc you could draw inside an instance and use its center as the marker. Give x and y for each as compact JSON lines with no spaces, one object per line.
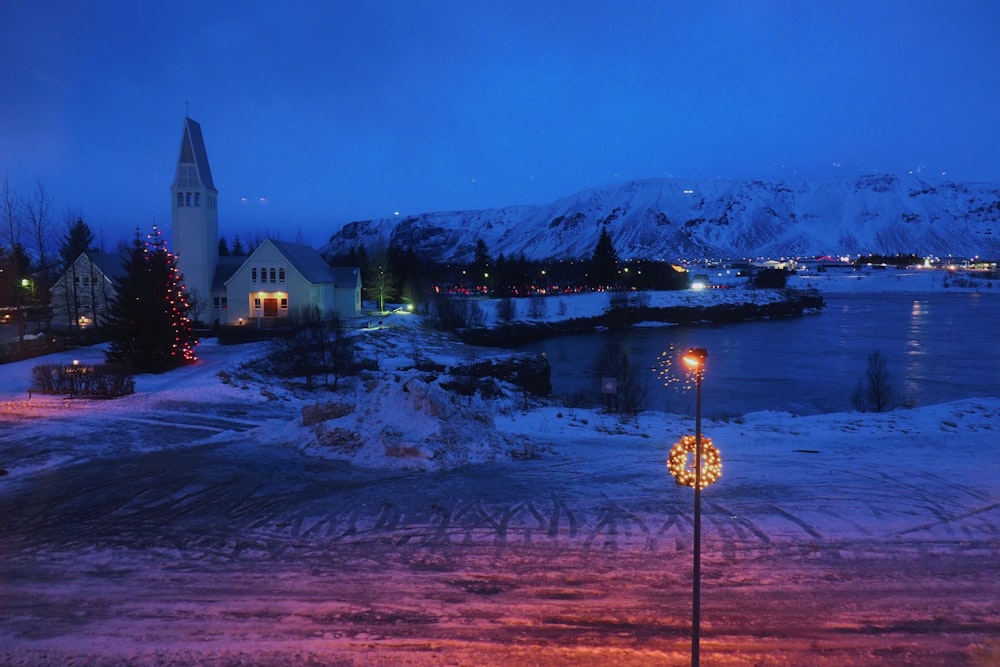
{"x":81,"y":297}
{"x":279,"y":277}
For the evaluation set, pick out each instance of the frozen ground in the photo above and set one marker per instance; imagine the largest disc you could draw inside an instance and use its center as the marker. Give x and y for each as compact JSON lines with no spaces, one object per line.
{"x":199,"y":522}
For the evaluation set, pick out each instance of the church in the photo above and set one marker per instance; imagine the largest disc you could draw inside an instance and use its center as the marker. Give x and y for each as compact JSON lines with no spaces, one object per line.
{"x":276,"y":279}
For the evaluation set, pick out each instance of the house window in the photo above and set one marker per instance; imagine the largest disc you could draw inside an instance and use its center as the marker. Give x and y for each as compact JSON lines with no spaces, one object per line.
{"x":197,"y":199}
{"x":180,"y":199}
{"x":284,"y":304}
{"x":253,"y":275}
{"x":225,"y":302}
{"x":215,"y":302}
{"x":187,"y":198}
{"x":256,"y":303}
{"x":281,"y":275}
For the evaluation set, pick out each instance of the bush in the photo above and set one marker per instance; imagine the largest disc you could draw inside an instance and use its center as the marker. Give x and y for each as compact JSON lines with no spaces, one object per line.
{"x":770,"y":278}
{"x":99,"y":381}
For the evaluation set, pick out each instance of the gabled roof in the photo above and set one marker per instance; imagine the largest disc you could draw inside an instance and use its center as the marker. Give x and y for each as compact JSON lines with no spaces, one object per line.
{"x":307,"y":261}
{"x":193,"y":152}
{"x":304,"y":259}
{"x":225,"y":269}
{"x":108,"y":263}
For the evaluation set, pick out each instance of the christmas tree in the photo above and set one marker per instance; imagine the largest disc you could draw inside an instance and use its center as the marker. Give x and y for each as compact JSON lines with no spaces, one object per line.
{"x":148,"y":325}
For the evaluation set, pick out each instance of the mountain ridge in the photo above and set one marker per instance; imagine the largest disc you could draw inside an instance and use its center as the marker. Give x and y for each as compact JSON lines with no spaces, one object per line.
{"x":676,"y":219}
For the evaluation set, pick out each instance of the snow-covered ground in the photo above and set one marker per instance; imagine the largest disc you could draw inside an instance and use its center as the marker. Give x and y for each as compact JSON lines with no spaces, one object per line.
{"x":205,"y":522}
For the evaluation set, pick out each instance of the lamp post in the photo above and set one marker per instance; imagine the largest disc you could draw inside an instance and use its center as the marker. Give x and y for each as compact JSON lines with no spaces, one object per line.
{"x":695,"y":360}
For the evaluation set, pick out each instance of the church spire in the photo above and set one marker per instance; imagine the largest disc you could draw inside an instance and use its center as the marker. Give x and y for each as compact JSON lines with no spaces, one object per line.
{"x":195,"y":214}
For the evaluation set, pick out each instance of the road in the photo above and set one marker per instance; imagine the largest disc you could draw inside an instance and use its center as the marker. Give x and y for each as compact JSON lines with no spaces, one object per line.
{"x":223,"y":552}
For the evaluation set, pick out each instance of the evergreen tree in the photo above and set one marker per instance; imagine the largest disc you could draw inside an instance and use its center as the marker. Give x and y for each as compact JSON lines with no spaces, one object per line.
{"x":604,"y":265}
{"x":223,"y":247}
{"x":78,"y":240}
{"x":238,"y":250}
{"x":149,"y":326}
{"x":480,"y":268}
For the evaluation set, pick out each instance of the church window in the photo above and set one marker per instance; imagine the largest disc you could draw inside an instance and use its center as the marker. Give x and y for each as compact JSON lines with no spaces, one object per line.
{"x":281,"y":275}
{"x":180,"y":199}
{"x":253,"y":274}
{"x":187,"y":198}
{"x":274,"y":278}
{"x":197,"y":199}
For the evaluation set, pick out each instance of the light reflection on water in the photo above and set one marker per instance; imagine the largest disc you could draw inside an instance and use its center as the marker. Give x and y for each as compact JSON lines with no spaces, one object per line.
{"x":939,"y":347}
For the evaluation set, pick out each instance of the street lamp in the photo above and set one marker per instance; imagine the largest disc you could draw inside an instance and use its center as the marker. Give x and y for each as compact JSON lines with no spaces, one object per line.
{"x":695,"y":360}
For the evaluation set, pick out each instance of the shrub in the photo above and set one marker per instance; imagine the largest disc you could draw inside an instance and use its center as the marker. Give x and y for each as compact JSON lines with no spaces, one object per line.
{"x":99,"y":381}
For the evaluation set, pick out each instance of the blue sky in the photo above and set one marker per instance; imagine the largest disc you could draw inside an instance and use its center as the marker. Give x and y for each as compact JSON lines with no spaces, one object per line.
{"x":320,"y":113}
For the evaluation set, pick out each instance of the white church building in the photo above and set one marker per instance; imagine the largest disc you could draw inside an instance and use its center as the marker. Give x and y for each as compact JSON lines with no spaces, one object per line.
{"x":277,"y":278}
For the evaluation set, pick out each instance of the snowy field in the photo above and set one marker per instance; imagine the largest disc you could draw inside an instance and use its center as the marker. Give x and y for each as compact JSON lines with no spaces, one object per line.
{"x":204,"y":522}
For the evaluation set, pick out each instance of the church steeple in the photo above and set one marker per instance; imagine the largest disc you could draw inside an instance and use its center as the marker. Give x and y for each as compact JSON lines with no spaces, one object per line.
{"x":195,"y":213}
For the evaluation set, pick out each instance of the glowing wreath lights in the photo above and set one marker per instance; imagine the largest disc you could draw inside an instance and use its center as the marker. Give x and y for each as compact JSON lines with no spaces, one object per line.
{"x":681,"y":465}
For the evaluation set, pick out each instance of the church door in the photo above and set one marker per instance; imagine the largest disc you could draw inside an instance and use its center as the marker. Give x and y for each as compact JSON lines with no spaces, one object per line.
{"x":270,"y":307}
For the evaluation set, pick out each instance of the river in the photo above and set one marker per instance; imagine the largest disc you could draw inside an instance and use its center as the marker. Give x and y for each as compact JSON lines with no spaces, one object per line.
{"x":938,"y":346}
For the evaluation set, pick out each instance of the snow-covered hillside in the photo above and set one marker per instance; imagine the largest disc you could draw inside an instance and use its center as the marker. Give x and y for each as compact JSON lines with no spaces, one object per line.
{"x":676,"y":219}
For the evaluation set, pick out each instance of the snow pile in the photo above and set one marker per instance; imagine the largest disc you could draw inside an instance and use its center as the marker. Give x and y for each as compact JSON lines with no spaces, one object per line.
{"x":407,"y":420}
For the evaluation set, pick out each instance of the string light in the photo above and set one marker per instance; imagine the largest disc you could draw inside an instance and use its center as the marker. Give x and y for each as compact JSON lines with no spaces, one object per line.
{"x":681,"y":465}
{"x":664,"y":370}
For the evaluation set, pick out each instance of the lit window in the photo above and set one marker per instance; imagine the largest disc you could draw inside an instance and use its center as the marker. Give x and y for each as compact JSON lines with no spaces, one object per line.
{"x":256,"y":303}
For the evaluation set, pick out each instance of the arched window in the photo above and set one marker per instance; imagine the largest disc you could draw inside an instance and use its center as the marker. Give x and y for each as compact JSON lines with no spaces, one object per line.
{"x":197,"y":199}
{"x":281,"y":275}
{"x":180,"y":199}
{"x":253,"y":275}
{"x":273,"y":276}
{"x":187,"y":198}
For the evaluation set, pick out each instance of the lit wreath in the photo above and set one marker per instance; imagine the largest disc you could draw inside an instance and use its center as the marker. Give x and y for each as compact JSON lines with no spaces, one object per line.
{"x":683,"y":472}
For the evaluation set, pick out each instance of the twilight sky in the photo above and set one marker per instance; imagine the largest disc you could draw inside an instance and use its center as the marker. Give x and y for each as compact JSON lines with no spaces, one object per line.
{"x":317,"y":113}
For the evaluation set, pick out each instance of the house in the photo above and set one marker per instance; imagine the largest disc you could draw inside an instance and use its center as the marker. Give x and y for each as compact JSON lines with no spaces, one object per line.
{"x":279,"y":277}
{"x":81,"y":297}
{"x":276,"y":279}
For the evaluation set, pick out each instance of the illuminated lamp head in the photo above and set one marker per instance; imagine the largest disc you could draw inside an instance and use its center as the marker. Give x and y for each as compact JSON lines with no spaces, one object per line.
{"x":695,"y":357}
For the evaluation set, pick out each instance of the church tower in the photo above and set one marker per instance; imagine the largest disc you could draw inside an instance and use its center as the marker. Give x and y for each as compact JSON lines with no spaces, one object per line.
{"x":195,"y":215}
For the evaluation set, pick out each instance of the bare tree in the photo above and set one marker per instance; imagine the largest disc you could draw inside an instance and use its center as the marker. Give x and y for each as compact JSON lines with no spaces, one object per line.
{"x":630,"y":386}
{"x":875,"y":393}
{"x":380,"y":281}
{"x":38,"y":208}
{"x":10,"y":212}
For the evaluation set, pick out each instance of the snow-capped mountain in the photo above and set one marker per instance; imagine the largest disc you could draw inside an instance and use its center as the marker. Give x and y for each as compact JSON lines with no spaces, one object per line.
{"x":675,"y":219}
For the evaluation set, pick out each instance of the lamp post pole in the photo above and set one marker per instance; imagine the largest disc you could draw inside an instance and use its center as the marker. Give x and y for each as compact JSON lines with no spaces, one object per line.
{"x":696,"y":596}
{"x":695,"y":358}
